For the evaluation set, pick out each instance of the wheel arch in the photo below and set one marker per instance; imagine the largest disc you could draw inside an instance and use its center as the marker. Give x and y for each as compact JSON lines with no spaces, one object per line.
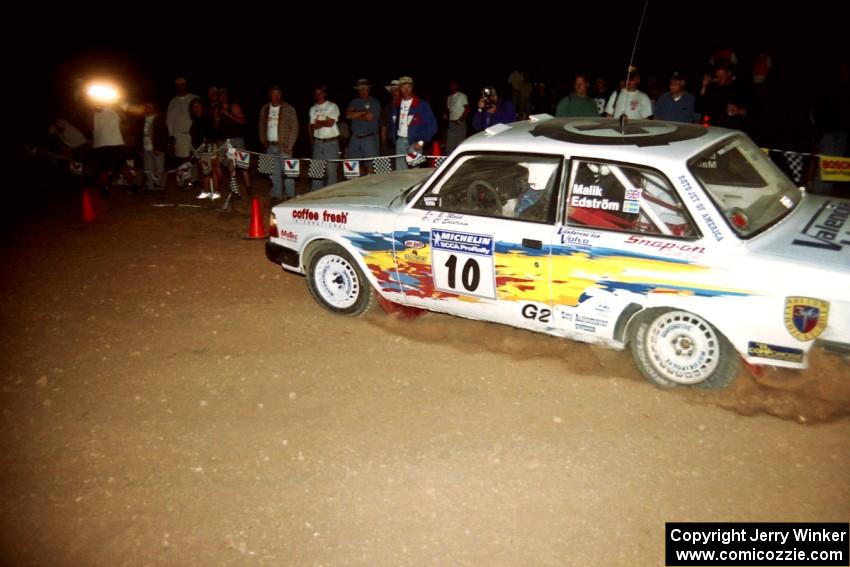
{"x":629,"y":314}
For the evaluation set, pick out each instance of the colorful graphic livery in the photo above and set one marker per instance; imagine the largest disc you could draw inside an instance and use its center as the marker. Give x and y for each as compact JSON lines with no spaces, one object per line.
{"x":683,"y":243}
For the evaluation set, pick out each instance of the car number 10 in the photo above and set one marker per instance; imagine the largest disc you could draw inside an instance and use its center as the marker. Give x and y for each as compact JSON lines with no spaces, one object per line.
{"x":470,"y":277}
{"x":463,"y":273}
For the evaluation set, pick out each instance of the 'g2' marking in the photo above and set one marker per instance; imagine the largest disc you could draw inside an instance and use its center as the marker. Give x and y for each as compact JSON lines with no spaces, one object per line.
{"x":530,"y":311}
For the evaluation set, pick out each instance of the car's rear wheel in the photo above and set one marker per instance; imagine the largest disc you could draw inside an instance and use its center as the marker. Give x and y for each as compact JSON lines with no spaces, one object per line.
{"x":677,"y":348}
{"x":336,"y":282}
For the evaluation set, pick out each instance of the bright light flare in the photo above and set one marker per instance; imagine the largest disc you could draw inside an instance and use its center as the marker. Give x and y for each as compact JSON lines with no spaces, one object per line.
{"x":102,"y":93}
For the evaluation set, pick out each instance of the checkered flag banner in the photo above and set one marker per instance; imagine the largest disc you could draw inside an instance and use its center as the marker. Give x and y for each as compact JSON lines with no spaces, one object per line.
{"x":265,"y":163}
{"x":438,"y":161}
{"x":382,"y":164}
{"x":318,"y":168}
{"x":794,"y":161}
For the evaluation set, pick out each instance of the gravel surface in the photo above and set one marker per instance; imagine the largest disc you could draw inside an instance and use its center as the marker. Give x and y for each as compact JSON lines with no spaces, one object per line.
{"x":169,"y":397}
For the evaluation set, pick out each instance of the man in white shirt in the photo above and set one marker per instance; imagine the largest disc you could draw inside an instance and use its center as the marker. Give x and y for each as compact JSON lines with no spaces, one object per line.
{"x":457,"y":108}
{"x":179,"y":121}
{"x":630,"y":101}
{"x":110,"y":153}
{"x":324,"y":131}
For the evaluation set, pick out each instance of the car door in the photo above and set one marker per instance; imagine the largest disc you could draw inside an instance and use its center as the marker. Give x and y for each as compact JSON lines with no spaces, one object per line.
{"x":477,"y":242}
{"x":626,"y":240}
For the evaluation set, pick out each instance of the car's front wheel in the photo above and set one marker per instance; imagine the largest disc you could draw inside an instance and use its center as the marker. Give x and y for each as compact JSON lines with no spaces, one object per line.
{"x":336,"y":281}
{"x":677,"y":348}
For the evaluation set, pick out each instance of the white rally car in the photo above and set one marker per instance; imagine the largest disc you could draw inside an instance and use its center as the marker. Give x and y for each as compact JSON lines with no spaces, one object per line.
{"x":683,"y":242}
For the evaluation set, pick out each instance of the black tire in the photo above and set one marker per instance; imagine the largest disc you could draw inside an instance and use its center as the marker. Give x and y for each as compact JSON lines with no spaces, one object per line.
{"x":679,"y":349}
{"x":336,"y":282}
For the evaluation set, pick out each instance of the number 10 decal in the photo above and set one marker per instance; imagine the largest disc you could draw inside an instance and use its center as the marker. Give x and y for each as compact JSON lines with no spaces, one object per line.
{"x":471,"y":275}
{"x":463,"y":263}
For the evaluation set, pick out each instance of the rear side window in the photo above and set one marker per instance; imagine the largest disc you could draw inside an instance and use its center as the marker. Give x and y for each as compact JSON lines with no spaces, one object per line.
{"x":748,"y":188}
{"x":626,"y":198}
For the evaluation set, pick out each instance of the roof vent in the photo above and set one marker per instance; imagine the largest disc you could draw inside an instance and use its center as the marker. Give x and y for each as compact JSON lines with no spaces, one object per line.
{"x":496,"y":129}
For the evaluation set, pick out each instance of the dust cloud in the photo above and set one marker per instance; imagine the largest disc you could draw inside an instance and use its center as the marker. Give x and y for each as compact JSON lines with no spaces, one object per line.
{"x":818,"y":394}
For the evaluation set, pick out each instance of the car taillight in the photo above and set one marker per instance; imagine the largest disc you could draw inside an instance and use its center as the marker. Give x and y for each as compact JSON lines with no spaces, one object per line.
{"x":273,"y":226}
{"x":740,"y":220}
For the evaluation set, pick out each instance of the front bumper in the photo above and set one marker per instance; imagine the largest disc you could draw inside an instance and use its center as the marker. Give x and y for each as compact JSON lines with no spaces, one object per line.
{"x":282,"y":255}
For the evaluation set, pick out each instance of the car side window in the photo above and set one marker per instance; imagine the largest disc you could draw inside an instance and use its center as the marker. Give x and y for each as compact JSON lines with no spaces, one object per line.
{"x":627,"y":198}
{"x":507,"y":186}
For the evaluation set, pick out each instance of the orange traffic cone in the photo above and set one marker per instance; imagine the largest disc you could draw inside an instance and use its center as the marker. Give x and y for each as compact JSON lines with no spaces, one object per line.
{"x":88,"y":208}
{"x":435,"y":152}
{"x":256,"y":231}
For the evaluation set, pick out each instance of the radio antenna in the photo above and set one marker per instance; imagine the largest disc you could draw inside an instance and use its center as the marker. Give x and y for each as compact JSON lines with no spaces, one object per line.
{"x":637,"y":35}
{"x":632,"y":58}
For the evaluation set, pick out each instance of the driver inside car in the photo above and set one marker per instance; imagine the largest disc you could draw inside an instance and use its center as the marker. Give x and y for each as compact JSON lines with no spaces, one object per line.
{"x":536,"y":187}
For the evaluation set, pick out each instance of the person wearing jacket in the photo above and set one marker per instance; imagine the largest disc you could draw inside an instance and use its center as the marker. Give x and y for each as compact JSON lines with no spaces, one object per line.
{"x":278,"y":133}
{"x":413,"y":122}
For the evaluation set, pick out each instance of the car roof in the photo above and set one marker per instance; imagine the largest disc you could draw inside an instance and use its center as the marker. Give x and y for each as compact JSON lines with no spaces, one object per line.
{"x":640,"y":140}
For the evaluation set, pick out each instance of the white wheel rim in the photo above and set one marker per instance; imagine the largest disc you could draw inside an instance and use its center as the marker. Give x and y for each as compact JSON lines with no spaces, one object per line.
{"x":337,"y":281}
{"x":682,"y":347}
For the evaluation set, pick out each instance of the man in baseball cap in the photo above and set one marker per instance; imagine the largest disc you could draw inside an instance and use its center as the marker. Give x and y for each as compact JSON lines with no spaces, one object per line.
{"x":413,"y":122}
{"x":677,"y":104}
{"x":365,"y":114}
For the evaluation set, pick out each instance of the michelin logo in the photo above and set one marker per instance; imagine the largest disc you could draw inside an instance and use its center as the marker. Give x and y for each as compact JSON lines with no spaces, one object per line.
{"x":462,"y":242}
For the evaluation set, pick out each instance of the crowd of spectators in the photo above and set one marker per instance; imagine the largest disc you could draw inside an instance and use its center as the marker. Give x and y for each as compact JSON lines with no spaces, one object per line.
{"x":142,"y":142}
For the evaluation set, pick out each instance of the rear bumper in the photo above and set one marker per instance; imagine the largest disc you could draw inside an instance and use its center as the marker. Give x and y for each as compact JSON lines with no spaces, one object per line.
{"x":282,"y":255}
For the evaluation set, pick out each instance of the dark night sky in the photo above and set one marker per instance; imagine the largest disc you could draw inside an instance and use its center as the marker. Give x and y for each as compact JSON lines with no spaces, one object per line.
{"x":431,"y":42}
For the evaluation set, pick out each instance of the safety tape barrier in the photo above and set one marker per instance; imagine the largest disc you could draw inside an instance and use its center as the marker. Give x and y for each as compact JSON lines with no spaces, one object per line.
{"x":830,"y":168}
{"x":317,"y":168}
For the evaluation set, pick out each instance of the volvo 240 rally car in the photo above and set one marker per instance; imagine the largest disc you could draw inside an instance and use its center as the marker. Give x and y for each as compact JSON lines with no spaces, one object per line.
{"x":682,"y":242}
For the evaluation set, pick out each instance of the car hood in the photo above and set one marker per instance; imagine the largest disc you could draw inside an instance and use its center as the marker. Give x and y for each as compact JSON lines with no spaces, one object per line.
{"x":369,"y":191}
{"x":817,"y":232}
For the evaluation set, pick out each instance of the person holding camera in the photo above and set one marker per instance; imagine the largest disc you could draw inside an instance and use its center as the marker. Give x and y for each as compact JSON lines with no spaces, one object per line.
{"x":492,"y":110}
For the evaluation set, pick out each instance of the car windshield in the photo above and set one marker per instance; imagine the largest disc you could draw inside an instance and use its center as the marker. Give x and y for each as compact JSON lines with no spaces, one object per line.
{"x":748,"y":188}
{"x":410,"y":192}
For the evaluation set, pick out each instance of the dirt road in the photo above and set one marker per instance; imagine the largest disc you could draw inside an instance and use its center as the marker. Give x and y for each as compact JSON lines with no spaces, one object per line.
{"x":170,"y":397}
